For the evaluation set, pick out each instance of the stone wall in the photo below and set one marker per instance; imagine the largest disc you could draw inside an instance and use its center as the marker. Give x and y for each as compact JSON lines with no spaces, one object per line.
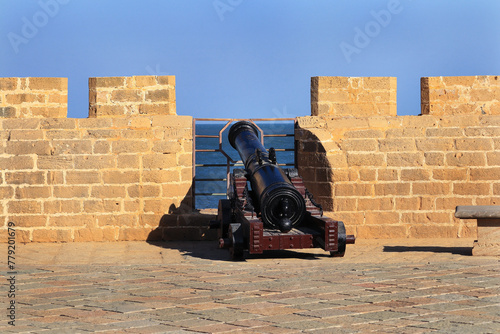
{"x":125,"y":175}
{"x":402,"y":176}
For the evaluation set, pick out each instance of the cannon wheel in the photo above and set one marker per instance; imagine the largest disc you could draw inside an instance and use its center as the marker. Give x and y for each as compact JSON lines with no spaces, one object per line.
{"x":341,"y":241}
{"x":236,"y":251}
{"x":224,"y":217}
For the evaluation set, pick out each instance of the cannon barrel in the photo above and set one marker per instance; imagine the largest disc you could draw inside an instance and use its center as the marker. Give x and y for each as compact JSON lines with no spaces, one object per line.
{"x":280,"y":204}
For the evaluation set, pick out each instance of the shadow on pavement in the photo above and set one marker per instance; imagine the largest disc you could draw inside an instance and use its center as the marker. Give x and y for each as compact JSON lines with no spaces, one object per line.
{"x":208,"y":250}
{"x":466,"y":251}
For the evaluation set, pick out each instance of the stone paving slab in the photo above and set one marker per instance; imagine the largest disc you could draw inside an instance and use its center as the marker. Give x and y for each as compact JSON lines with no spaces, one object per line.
{"x":384,"y":286}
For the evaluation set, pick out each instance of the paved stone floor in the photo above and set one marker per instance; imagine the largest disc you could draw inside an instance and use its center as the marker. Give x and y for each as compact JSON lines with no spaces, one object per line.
{"x":385,"y":286}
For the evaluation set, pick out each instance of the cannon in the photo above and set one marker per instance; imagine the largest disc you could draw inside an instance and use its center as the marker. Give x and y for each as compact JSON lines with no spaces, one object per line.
{"x":268,"y":207}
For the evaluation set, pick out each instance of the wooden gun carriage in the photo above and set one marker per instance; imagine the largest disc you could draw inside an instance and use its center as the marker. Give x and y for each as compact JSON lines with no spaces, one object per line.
{"x":269,"y":208}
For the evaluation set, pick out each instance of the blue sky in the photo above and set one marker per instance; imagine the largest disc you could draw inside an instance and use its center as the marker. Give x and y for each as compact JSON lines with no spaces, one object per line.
{"x":248,"y":58}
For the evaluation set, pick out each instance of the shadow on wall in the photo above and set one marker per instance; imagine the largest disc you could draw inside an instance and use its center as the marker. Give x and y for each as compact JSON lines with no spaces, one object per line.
{"x":183,"y":223}
{"x":320,"y":163}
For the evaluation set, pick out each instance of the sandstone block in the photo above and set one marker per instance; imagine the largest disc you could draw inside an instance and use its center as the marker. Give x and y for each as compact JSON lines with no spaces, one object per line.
{"x":24,"y":207}
{"x":375,"y":204}
{"x":329,"y":82}
{"x":344,"y":204}
{"x":466,"y":159}
{"x":103,"y":147}
{"x":128,"y":161}
{"x":23,"y":124}
{"x":415,"y":174}
{"x":117,"y":220}
{"x":102,"y":206}
{"x":145,"y":81}
{"x":89,"y":234}
{"x":450,"y":174}
{"x":160,"y":95}
{"x":127,"y":95}
{"x":380,"y":232}
{"x":8,"y":112}
{"x":28,"y":147}
{"x":172,"y":122}
{"x":28,"y":192}
{"x":161,"y":176}
{"x":367,"y":174}
{"x":82,"y":177}
{"x":106,"y":82}
{"x":94,"y":123}
{"x":407,"y":203}
{"x":58,"y":123}
{"x":365,"y":159}
{"x":133,"y":205}
{"x":29,"y":220}
{"x":7,"y":84}
{"x":130,"y":146}
{"x":433,"y":231}
{"x":108,"y":191}
{"x":389,"y":218}
{"x":159,"y":161}
{"x":119,"y":177}
{"x":6,"y":192}
{"x":48,"y":84}
{"x":54,"y":162}
{"x":62,"y":134}
{"x":360,"y":145}
{"x":474,"y":144}
{"x":108,"y":111}
{"x":95,"y":162}
{"x":17,"y":163}
{"x":387,"y":174}
{"x":435,"y":144}
{"x":479,"y":174}
{"x":471,"y":189}
{"x":69,"y":147}
{"x":434,"y":159}
{"x":404,"y":159}
{"x":71,"y":221}
{"x":135,"y":234}
{"x":431,"y":188}
{"x":168,"y":80}
{"x":392,"y":189}
{"x":71,"y":191}
{"x":354,"y":189}
{"x":397,"y":145}
{"x":25,"y":178}
{"x":158,"y":109}
{"x":44,"y":235}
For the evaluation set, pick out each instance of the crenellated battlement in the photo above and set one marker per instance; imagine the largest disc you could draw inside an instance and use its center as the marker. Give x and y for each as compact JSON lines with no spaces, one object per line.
{"x":125,"y":173}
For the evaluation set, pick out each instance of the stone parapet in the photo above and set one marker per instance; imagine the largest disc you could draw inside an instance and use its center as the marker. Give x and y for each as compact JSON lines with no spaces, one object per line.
{"x":353,"y":96}
{"x":94,"y":179}
{"x":479,"y":95}
{"x":132,"y":96}
{"x":392,"y":177}
{"x":33,"y":97}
